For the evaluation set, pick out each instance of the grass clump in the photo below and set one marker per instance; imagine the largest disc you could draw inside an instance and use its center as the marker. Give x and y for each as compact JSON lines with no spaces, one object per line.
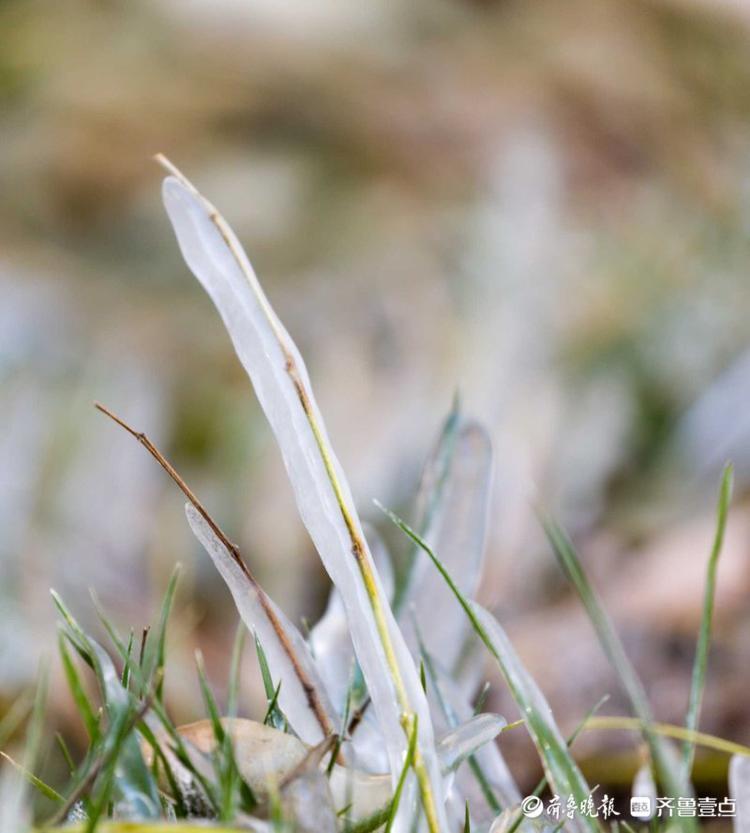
{"x":367,"y":722}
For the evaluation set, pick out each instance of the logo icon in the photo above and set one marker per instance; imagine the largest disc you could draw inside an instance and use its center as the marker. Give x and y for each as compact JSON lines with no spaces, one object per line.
{"x":532,"y":807}
{"x":640,"y":807}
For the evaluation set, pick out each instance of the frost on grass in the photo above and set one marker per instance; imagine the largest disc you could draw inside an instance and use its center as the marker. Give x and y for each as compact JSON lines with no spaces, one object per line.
{"x":562,"y":773}
{"x":458,"y":710}
{"x":359,"y":631}
{"x":739,"y":789}
{"x":323,"y":498}
{"x":458,"y":476}
{"x":364,"y":651}
{"x":463,"y":741}
{"x":329,"y":638}
{"x":302,"y":696}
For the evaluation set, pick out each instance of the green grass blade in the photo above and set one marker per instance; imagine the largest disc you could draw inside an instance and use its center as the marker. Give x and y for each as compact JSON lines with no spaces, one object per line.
{"x":246,"y":795}
{"x":430,"y":492}
{"x":209,"y":700}
{"x":119,"y":771}
{"x":668,"y":769}
{"x":224,"y":764}
{"x":160,"y":759}
{"x":373,"y":822}
{"x":124,"y":775}
{"x":453,"y":720}
{"x":274,"y":716}
{"x":73,"y":632}
{"x":704,"y":637}
{"x":178,"y":746}
{"x":155,"y":647}
{"x":539,"y":789}
{"x":562,"y":771}
{"x":37,"y":783}
{"x":265,"y":671}
{"x":232,"y":787}
{"x":126,"y":665}
{"x":345,"y":715}
{"x":65,"y":752}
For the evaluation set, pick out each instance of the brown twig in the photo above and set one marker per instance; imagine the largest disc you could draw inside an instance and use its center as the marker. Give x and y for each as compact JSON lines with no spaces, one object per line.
{"x":308,"y":687}
{"x":356,"y":717}
{"x":144,"y":639}
{"x":186,"y":490}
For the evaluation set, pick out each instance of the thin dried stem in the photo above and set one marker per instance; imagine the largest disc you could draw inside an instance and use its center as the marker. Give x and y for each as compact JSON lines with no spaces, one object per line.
{"x":307,"y":685}
{"x":186,"y":490}
{"x":357,"y":717}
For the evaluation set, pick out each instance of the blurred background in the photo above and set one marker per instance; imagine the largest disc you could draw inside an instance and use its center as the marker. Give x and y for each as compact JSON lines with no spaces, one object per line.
{"x":543,"y":206}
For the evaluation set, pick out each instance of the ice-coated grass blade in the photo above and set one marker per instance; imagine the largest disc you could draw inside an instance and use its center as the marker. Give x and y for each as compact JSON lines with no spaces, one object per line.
{"x":302,"y":696}
{"x":542,"y":783}
{"x":313,"y":711}
{"x":562,"y":771}
{"x":487,"y":765}
{"x":644,"y":786}
{"x":429,"y":496}
{"x":704,"y":637}
{"x":739,"y":790}
{"x":332,"y":648}
{"x":463,"y":741}
{"x":397,"y":793}
{"x":668,"y":768}
{"x":461,"y":476}
{"x":329,"y":639}
{"x":324,"y":500}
